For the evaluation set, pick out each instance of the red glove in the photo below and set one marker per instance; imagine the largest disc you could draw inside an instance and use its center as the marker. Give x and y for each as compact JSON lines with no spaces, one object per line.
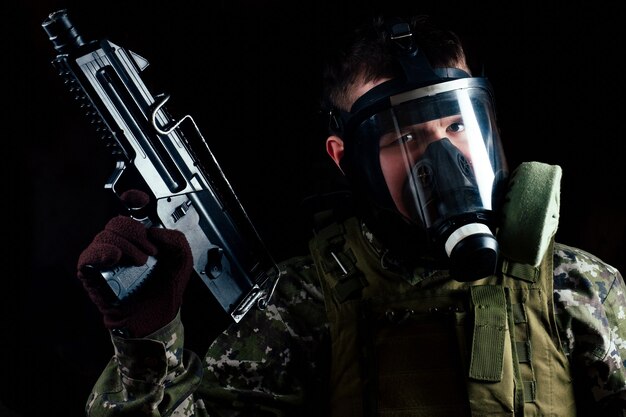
{"x":124,"y":242}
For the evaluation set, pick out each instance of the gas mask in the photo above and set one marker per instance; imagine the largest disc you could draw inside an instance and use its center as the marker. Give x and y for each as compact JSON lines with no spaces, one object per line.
{"x":423,"y":152}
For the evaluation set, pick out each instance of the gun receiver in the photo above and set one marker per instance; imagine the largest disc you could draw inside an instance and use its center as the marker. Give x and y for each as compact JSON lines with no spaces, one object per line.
{"x":190,"y":192}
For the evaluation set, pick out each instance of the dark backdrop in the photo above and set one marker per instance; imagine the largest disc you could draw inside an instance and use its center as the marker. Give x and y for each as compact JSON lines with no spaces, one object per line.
{"x":248,"y":71}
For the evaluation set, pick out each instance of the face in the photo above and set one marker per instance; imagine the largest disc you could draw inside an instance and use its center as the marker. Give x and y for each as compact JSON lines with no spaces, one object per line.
{"x":400,"y":150}
{"x":413,"y":126}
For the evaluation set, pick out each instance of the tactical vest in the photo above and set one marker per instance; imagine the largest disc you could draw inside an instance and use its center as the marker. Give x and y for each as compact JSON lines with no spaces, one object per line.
{"x":431,"y":346}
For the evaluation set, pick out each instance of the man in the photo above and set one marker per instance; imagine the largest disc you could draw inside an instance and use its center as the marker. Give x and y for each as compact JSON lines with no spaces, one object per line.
{"x":441,"y":292}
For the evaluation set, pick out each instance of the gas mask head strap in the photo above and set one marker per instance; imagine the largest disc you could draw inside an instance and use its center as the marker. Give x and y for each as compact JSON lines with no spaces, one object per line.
{"x":414,"y":64}
{"x":415,"y":67}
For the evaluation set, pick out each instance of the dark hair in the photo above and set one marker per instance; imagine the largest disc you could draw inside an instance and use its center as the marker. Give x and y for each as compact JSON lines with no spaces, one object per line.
{"x":366,"y":55}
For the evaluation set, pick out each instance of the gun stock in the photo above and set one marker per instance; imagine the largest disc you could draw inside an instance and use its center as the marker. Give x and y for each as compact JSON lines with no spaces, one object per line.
{"x":189,"y":190}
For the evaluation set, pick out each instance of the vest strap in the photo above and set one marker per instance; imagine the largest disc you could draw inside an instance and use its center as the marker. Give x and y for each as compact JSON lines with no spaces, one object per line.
{"x":526,"y":272}
{"x":519,"y":313}
{"x":523,"y":351}
{"x":349,"y":286}
{"x":490,"y":330}
{"x":530,"y":391}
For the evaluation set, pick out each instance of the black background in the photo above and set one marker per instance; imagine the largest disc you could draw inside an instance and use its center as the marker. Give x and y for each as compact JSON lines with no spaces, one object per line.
{"x":249,"y":73}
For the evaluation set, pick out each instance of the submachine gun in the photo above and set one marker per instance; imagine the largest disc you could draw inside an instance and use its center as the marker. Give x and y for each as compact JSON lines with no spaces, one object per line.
{"x":188,"y":189}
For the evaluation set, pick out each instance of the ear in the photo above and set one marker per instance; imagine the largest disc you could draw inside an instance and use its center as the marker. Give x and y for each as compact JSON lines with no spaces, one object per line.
{"x":334,"y":147}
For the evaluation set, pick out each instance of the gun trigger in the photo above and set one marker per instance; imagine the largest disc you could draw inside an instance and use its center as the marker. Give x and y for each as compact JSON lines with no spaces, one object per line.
{"x":120,"y":166}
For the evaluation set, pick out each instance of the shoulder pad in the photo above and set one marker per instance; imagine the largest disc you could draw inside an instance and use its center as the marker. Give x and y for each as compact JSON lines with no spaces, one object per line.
{"x":530,"y":213}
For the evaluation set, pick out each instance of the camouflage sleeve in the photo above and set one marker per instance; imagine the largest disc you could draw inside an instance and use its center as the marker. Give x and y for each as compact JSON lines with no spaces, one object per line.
{"x":274,"y":362}
{"x":153,"y":376}
{"x":590,"y":301}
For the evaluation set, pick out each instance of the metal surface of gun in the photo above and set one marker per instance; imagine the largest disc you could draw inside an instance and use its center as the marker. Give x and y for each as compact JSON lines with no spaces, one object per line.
{"x":190,"y":193}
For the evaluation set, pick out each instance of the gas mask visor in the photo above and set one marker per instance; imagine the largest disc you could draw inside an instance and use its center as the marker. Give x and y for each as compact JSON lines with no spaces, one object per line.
{"x":435,"y":157}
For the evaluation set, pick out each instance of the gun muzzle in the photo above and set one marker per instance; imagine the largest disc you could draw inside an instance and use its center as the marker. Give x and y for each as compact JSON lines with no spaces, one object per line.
{"x":62,"y":32}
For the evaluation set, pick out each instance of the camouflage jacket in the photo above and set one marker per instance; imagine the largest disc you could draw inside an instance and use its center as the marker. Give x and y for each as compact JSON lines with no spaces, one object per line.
{"x":275,"y":362}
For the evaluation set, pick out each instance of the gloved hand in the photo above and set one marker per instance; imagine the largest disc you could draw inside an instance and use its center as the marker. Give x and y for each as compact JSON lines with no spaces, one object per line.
{"x":125,"y":242}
